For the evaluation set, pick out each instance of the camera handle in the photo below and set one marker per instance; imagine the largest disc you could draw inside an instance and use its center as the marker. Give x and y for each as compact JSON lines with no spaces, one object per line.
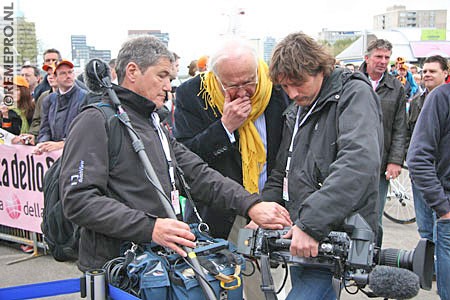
{"x":267,"y":285}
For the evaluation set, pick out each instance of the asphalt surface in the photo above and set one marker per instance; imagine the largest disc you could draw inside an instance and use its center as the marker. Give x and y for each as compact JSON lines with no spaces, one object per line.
{"x":45,"y":268}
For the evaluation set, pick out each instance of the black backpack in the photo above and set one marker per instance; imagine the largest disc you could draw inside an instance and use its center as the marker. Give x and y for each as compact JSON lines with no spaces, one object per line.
{"x":60,"y":234}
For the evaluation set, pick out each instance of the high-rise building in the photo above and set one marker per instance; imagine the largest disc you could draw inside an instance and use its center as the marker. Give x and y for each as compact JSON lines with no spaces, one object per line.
{"x":26,"y":41}
{"x":397,"y":16}
{"x":269,"y":44}
{"x":162,"y":36}
{"x":82,"y":53}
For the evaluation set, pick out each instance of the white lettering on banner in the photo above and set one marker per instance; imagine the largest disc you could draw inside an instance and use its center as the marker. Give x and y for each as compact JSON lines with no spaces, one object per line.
{"x":21,"y":184}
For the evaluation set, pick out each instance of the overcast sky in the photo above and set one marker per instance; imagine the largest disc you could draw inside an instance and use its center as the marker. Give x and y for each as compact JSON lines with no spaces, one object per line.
{"x":195,"y":26}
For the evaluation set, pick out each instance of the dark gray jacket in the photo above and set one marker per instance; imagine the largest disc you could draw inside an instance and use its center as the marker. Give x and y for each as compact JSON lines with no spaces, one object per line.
{"x":393,"y":104}
{"x":119,"y":205}
{"x":335,"y":163}
{"x":429,"y":153}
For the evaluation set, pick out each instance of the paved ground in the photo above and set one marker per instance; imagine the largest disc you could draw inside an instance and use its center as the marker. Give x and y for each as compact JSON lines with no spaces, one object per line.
{"x":44,"y":268}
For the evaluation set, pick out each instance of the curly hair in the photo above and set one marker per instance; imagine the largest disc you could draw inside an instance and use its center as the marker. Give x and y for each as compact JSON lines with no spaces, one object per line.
{"x":298,"y":56}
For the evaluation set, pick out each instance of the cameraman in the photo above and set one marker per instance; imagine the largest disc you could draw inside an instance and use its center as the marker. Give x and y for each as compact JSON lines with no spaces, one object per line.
{"x":330,"y":154}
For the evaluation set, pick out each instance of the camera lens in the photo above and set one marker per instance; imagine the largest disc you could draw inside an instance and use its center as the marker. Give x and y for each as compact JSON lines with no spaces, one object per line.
{"x":397,"y":258}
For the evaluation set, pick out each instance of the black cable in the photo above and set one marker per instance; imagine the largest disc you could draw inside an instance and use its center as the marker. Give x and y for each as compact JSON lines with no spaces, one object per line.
{"x":286,"y":272}
{"x":250,"y":260}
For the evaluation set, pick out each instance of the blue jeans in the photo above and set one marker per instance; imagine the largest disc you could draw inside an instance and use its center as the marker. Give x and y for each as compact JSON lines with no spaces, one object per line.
{"x":443,"y":258}
{"x":311,"y":284}
{"x":425,"y":217}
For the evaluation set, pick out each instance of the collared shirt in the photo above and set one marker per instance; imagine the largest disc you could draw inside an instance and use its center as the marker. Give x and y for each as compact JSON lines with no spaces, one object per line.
{"x":260,"y":124}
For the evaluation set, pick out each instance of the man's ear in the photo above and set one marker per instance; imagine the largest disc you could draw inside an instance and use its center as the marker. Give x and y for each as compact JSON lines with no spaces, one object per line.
{"x":132,"y":71}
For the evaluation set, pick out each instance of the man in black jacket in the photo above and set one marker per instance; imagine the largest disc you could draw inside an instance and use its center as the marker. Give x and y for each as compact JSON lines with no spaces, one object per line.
{"x":329,"y":159}
{"x":119,"y":204}
{"x":393,"y":104}
{"x":231,"y":117}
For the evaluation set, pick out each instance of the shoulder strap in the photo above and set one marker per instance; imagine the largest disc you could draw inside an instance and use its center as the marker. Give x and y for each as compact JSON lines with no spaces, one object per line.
{"x":112,"y":126}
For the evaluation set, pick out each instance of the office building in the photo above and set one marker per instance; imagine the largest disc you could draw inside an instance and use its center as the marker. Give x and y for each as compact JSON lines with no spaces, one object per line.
{"x":398,"y":17}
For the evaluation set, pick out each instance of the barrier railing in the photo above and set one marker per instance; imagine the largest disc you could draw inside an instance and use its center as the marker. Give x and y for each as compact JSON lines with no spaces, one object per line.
{"x":21,"y":197}
{"x":96,"y":289}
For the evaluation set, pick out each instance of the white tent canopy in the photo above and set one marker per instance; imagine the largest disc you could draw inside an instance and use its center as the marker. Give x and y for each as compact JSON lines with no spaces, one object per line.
{"x":401,"y":46}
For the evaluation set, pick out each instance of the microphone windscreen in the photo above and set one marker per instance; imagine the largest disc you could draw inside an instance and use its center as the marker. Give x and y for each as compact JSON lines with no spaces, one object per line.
{"x":394,"y":283}
{"x":94,"y":71}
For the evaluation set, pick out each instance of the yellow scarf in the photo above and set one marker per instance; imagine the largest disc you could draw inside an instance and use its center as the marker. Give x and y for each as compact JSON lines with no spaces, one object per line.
{"x":251,"y":146}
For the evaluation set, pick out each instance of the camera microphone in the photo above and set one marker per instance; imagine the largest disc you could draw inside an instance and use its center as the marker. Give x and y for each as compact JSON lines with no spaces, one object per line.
{"x":97,"y":76}
{"x":393,"y":283}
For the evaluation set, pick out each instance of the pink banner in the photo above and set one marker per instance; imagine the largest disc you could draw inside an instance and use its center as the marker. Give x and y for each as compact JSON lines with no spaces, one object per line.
{"x":21,"y":185}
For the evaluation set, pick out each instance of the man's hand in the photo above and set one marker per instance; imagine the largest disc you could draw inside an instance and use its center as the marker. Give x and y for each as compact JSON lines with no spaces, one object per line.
{"x":392,"y":171}
{"x":235,"y":112}
{"x":4,"y":110}
{"x":25,"y":139}
{"x":48,"y":147}
{"x":173,"y":234}
{"x":251,"y":225}
{"x":446,"y":216}
{"x":302,"y":244}
{"x":270,"y":215}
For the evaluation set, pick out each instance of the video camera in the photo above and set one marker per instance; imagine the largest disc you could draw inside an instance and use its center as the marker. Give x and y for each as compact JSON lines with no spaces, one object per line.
{"x":353,"y":258}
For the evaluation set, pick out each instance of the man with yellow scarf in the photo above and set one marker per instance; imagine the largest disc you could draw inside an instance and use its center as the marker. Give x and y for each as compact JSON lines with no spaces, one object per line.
{"x":231,"y":116}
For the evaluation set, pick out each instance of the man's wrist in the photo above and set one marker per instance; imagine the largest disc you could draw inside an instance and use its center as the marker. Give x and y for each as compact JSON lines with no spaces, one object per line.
{"x":230,"y":134}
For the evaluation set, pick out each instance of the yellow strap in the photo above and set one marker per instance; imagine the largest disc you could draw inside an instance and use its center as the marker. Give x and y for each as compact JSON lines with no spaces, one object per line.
{"x":225,"y":279}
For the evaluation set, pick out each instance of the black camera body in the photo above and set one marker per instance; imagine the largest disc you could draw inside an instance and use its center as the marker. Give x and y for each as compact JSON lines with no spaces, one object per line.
{"x":350,"y":255}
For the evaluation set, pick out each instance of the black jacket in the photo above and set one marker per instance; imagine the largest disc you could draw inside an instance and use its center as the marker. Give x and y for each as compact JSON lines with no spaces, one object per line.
{"x":202,"y":132}
{"x":393,"y":104}
{"x":415,"y":107}
{"x":334,"y":170}
{"x":16,"y":122}
{"x":117,"y":205}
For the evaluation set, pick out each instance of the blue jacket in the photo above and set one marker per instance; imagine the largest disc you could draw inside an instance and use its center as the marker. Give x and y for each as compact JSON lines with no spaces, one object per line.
{"x":429,"y":152}
{"x":57,"y":113}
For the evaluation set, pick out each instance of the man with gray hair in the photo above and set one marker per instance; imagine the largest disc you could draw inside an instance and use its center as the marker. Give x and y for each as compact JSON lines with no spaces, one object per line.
{"x":393,"y":104}
{"x":117,"y":204}
{"x":231,"y":117}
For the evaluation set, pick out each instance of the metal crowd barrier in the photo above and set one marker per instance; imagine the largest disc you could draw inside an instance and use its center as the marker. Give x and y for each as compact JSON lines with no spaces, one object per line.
{"x":23,"y":237}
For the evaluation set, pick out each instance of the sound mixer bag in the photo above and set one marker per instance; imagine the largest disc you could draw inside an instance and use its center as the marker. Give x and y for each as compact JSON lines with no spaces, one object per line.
{"x":155,"y":273}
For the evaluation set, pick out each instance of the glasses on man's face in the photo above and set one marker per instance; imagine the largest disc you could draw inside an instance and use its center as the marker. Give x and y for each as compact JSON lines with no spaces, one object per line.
{"x":65,"y":73}
{"x":232,"y":89}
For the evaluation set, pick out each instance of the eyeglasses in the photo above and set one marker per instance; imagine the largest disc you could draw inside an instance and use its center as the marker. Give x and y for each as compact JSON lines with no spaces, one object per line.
{"x":64,"y":73}
{"x":235,"y":88}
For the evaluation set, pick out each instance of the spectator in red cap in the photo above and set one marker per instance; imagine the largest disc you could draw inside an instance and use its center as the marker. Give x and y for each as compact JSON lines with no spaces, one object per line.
{"x":59,"y":109}
{"x":36,"y":122}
